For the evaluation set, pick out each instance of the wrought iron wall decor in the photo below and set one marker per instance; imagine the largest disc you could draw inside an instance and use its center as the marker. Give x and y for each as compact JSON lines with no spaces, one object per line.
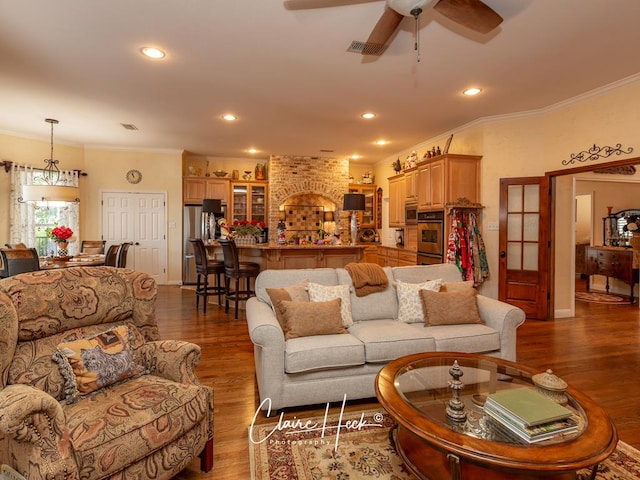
{"x":595,"y":153}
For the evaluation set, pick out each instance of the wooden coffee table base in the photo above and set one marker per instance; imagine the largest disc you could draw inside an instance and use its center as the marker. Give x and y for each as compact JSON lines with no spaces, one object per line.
{"x":430,"y":464}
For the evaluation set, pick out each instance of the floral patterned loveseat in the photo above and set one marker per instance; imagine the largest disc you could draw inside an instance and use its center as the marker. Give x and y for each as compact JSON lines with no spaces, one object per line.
{"x":63,"y":414}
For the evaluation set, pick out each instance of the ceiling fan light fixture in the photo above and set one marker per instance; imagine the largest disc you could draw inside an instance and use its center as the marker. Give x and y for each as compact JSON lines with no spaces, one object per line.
{"x":406,"y":7}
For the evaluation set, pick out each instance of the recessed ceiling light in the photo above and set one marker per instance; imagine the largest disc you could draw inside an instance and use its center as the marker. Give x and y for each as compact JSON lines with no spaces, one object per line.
{"x":470,"y":92}
{"x":152,"y":52}
{"x":368,"y":115}
{"x":355,"y":157}
{"x":229,"y":117}
{"x":252,"y":150}
{"x":381,"y":142}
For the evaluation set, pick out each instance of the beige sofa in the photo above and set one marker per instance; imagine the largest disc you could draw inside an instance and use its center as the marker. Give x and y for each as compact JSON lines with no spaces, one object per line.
{"x":149,"y":425}
{"x":323,"y":368}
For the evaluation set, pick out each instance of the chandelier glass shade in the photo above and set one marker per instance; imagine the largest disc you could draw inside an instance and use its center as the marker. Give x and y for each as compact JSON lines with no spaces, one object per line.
{"x":49,"y":187}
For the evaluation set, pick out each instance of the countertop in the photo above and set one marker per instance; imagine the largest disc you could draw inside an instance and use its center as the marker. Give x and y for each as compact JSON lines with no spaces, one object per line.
{"x":306,"y":246}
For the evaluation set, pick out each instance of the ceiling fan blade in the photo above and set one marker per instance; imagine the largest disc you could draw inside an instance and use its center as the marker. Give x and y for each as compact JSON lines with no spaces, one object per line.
{"x":385,"y":27}
{"x":472,"y":14}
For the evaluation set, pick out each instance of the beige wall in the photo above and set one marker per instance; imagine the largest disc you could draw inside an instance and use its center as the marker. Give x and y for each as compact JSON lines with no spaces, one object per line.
{"x":161,"y":173}
{"x":106,"y":169}
{"x":533,"y":143}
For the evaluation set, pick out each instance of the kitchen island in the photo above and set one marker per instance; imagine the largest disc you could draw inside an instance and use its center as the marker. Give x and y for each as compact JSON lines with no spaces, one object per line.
{"x":280,"y":257}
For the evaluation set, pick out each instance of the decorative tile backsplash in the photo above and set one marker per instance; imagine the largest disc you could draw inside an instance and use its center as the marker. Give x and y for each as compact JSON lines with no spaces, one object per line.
{"x":308,"y":183}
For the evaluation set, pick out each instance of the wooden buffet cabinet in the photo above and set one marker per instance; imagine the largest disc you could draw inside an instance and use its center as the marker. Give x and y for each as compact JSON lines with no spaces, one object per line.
{"x":614,"y":262}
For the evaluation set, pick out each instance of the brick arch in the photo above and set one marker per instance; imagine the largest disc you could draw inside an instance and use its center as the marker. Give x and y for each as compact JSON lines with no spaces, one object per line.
{"x":335,"y":194}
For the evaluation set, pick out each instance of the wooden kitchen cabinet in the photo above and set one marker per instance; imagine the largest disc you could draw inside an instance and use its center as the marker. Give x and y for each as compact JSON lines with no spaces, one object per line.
{"x":370,"y":254}
{"x":447,"y":179}
{"x":431,"y":185}
{"x":367,"y":219}
{"x":196,"y":189}
{"x":614,"y":262}
{"x":249,"y":201}
{"x":396,"y":200}
{"x":411,"y":185}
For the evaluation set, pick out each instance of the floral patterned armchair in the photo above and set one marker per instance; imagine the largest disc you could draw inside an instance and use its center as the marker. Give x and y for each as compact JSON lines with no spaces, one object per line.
{"x":68,"y":422}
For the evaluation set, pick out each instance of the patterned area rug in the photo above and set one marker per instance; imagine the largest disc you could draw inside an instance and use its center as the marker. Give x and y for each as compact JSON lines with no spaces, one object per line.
{"x":597,"y":297}
{"x":296,"y":449}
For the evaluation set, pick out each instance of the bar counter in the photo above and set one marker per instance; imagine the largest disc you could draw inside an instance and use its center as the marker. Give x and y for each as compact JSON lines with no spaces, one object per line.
{"x":280,"y":257}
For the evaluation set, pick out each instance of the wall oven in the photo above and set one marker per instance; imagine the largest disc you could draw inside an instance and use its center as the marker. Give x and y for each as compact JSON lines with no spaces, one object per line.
{"x":411,"y":213}
{"x":430,"y":237}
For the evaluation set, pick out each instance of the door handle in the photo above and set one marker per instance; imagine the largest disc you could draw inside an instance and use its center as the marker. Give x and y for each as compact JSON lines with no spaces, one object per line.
{"x":503,"y":254}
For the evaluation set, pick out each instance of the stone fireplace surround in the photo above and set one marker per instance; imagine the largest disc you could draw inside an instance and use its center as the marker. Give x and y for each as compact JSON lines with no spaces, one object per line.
{"x":298,"y":180}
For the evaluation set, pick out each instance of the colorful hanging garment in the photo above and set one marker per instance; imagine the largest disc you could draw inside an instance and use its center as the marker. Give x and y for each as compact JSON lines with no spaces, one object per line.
{"x":465,"y":247}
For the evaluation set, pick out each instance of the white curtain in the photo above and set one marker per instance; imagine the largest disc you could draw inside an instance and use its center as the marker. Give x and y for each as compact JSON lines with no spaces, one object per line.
{"x":22,"y":216}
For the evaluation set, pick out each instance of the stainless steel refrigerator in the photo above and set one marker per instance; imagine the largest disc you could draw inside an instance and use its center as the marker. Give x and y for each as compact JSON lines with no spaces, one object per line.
{"x":194,"y":226}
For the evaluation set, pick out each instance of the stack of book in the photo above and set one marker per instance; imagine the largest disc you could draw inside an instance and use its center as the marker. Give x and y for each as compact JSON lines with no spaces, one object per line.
{"x":529,"y":414}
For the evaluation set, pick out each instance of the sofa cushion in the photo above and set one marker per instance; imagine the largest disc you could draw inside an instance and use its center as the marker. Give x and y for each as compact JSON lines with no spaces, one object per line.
{"x":323,"y":293}
{"x":91,"y":364}
{"x":450,"y":308}
{"x":375,"y":306}
{"x":285,"y":278}
{"x":409,"y":302}
{"x":469,"y":338}
{"x":302,"y":319}
{"x":122,"y":424}
{"x":305,"y":354}
{"x":421,"y":273}
{"x":386,"y":340}
{"x":296,"y":293}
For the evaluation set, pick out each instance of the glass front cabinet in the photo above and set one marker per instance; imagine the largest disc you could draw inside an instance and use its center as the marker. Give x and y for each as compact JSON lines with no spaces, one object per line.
{"x":367,"y":218}
{"x":249,"y":201}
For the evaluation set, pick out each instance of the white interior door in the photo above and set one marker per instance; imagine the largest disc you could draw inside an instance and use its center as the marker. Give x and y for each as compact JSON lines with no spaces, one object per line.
{"x":138,"y":218}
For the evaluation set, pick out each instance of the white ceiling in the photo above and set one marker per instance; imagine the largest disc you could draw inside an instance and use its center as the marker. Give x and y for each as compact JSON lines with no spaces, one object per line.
{"x":285,"y":72}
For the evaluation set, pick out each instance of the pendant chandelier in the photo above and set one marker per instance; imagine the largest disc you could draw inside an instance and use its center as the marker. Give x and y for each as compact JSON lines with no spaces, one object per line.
{"x":48,"y":186}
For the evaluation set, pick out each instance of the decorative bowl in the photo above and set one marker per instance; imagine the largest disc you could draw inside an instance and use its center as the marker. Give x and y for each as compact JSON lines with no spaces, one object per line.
{"x":220,"y":173}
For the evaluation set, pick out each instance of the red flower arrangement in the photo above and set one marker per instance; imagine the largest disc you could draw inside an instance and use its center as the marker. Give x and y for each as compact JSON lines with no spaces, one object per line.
{"x":59,"y":234}
{"x":246,"y":227}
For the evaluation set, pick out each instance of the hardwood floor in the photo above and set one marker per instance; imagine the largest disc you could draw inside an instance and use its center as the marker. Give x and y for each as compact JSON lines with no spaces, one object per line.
{"x":597,"y":352}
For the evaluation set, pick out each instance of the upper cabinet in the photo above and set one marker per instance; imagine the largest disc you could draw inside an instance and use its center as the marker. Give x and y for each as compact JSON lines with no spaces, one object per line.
{"x":249,"y":201}
{"x":447,"y":179}
{"x":411,"y":185}
{"x":396,"y":201}
{"x":195,"y":189}
{"x":367,"y":218}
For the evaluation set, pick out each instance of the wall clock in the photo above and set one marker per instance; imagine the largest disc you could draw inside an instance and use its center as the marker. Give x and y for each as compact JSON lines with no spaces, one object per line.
{"x":134,"y":176}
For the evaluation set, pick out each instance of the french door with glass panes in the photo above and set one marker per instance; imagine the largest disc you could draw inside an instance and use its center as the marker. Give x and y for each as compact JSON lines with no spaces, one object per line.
{"x":524,"y":245}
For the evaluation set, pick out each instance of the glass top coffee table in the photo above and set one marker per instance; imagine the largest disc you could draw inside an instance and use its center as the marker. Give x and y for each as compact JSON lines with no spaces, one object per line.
{"x":416,"y":392}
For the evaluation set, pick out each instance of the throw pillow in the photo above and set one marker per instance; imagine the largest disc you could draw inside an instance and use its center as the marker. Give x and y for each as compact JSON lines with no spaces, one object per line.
{"x":457,"y":286}
{"x":409,"y":303}
{"x":90,"y":364}
{"x":323,"y":293}
{"x":303,"y":319}
{"x":450,"y":308}
{"x":296,"y":293}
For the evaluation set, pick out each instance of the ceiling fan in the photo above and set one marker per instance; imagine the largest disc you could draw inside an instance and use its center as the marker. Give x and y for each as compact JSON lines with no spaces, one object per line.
{"x":472,"y":14}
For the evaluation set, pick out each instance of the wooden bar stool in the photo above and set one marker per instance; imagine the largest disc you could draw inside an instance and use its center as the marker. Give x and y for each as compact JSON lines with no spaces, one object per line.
{"x":204,"y":268}
{"x":237,"y":270}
